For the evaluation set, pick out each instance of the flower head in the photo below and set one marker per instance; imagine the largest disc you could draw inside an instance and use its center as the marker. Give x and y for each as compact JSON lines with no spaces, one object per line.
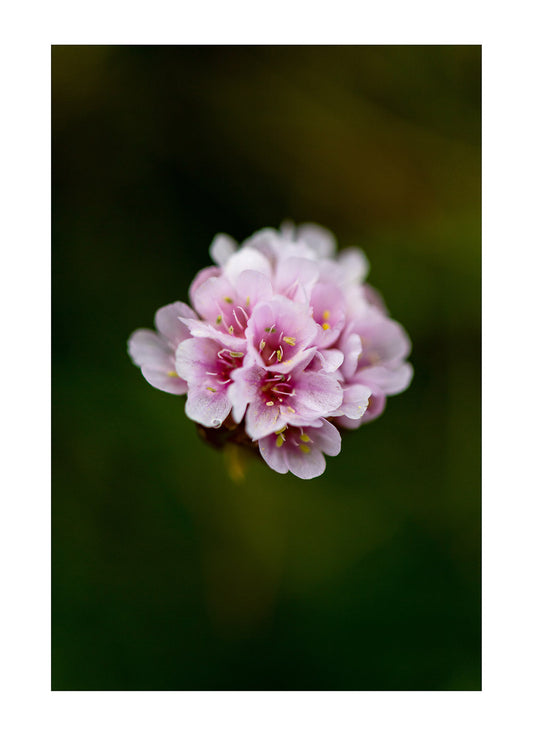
{"x":285,"y":343}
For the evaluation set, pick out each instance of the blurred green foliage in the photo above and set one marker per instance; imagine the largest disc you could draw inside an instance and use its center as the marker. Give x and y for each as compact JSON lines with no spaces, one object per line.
{"x":167,"y":574}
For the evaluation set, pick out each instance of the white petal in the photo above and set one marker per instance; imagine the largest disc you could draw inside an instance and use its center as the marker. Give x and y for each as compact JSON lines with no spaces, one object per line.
{"x":317,"y":238}
{"x":246,"y":259}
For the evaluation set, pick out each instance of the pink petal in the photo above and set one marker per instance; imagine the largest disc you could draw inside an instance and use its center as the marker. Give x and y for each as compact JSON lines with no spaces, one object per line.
{"x":253,"y":287}
{"x":151,"y":352}
{"x":355,"y":401}
{"x":326,"y":438}
{"x":148,"y":348}
{"x":317,"y":394}
{"x":329,"y":312}
{"x":208,"y":296}
{"x":376,"y":406}
{"x":200,"y":329}
{"x":222,"y":247}
{"x":305,"y":465}
{"x":195,"y":357}
{"x":317,"y":238}
{"x":354,"y":266}
{"x":207,"y":408}
{"x":201,"y":277}
{"x":383,"y":341}
{"x":391,"y":380}
{"x":295,"y":278}
{"x":244,"y":388}
{"x":262,"y":420}
{"x":352,"y":348}
{"x":274,"y":456}
{"x":162,"y":381}
{"x":167,"y":321}
{"x":328,"y":360}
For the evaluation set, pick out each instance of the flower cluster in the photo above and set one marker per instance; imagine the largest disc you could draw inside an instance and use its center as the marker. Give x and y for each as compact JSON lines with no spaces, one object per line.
{"x":284,"y":344}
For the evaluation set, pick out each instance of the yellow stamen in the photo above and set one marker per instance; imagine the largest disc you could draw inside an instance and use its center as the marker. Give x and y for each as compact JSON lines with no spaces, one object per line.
{"x":270,"y":329}
{"x":325,"y":315}
{"x":247,"y":300}
{"x":172,"y":374}
{"x":279,"y":441}
{"x":325,"y":326}
{"x":230,"y":329}
{"x":304,"y":448}
{"x":305,"y":438}
{"x":280,"y":431}
{"x":212,"y":389}
{"x":219,"y":319}
{"x":270,"y":403}
{"x":236,"y":354}
{"x":290,"y":409}
{"x":290,"y":341}
{"x":279,"y":354}
{"x":228,"y":300}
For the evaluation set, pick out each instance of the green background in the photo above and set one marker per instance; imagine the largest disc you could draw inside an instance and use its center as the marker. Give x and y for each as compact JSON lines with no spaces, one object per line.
{"x":166,"y":573}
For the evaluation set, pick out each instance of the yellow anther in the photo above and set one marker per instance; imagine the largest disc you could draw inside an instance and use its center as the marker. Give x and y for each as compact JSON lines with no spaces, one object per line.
{"x":172,"y":374}
{"x":228,"y":300}
{"x":270,"y":403}
{"x":247,"y":300}
{"x":290,"y":341}
{"x":325,"y":315}
{"x":280,"y":431}
{"x":280,"y":355}
{"x":305,"y":438}
{"x":325,"y":326}
{"x":279,"y":441}
{"x":262,"y":345}
{"x":236,"y":354}
{"x":270,"y":329}
{"x":290,"y":409}
{"x":230,"y":329}
{"x":212,"y":389}
{"x":304,"y":448}
{"x":219,"y":319}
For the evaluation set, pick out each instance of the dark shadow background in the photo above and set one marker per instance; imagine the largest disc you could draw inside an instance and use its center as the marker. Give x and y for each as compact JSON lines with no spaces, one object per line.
{"x":166,"y":574}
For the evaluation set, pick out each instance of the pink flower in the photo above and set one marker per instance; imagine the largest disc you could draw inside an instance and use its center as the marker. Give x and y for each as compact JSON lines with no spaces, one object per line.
{"x":300,"y":449}
{"x":285,"y":340}
{"x":155,"y":352}
{"x":375,"y":349}
{"x":269,"y":400}
{"x":207,"y":366}
{"x":279,"y":334}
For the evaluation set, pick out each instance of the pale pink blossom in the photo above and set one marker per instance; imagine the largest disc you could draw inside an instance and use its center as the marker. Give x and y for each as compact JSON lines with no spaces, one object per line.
{"x":285,"y":339}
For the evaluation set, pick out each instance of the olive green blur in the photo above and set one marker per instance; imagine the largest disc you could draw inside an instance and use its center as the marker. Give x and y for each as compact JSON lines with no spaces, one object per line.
{"x":168,"y":571}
